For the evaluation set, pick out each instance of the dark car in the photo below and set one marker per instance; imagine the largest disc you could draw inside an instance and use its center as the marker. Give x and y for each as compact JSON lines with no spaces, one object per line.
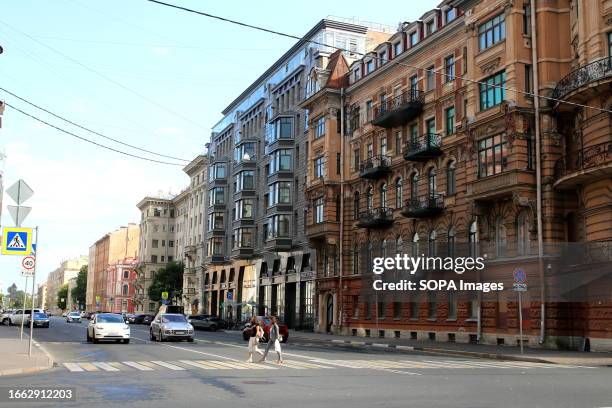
{"x":265,"y":322}
{"x":207,"y":322}
{"x":143,"y":319}
{"x":88,"y":315}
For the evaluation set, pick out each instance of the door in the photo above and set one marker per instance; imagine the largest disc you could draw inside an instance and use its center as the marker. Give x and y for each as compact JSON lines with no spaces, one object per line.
{"x":290,"y":305}
{"x":330,"y":313}
{"x":213,"y":302}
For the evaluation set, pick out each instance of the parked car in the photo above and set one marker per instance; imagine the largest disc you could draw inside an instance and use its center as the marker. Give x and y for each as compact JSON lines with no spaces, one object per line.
{"x":4,"y":317}
{"x":129,"y":317}
{"x":108,"y":326}
{"x":64,"y":314}
{"x":143,"y":319}
{"x":87,"y":315}
{"x":167,"y":326}
{"x":18,"y":315}
{"x":73,"y":317}
{"x":265,"y":322}
{"x":41,"y":320}
{"x":211,"y":323}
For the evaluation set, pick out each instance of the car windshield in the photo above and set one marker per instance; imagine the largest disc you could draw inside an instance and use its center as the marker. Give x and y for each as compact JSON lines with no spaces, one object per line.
{"x":75,"y":314}
{"x":110,"y":319}
{"x":173,"y":319}
{"x":40,"y":316}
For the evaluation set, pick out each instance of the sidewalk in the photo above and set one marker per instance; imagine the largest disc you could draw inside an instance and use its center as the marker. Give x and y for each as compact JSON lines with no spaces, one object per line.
{"x":14,"y":354}
{"x":458,"y":349}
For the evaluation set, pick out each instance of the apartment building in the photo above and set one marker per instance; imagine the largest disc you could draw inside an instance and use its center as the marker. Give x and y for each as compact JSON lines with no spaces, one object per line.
{"x":67,"y":270}
{"x":41,"y":297}
{"x":438,"y":155}
{"x":258,"y":260}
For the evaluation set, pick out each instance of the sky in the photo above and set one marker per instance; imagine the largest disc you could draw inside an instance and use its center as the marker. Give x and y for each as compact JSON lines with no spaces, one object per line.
{"x":148,"y":75}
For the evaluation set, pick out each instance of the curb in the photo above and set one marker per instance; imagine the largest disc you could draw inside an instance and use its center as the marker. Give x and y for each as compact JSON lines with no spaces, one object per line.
{"x":31,"y":370}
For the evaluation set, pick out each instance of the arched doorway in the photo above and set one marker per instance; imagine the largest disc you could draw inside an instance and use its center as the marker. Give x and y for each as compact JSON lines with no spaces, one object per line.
{"x":330,"y":313}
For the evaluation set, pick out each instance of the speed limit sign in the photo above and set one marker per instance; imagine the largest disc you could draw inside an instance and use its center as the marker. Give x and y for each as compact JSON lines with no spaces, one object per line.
{"x":28,"y":263}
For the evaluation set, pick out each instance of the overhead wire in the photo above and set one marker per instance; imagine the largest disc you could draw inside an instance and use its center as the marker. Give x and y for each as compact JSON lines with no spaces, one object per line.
{"x":385,"y":60}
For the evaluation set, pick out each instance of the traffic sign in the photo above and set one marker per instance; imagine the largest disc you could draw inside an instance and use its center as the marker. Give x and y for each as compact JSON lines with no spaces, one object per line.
{"x":164,"y":295}
{"x":519,"y":287}
{"x":28,"y":263}
{"x":17,"y":241}
{"x":230,"y":295}
{"x":27,"y":273}
{"x":18,"y":213}
{"x":20,"y":192}
{"x":519,"y":275}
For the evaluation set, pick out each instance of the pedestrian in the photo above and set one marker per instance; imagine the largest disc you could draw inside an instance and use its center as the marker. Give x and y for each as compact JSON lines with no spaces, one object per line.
{"x":255,"y":335}
{"x":274,"y":339}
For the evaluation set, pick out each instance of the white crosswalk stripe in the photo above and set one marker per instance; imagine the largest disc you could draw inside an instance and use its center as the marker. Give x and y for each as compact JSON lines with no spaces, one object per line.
{"x":168,"y":365}
{"x":104,"y":366}
{"x":137,"y":366}
{"x":73,"y":367}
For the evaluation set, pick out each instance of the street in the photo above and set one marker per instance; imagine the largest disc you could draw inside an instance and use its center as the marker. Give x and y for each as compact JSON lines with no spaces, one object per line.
{"x":212,"y":370}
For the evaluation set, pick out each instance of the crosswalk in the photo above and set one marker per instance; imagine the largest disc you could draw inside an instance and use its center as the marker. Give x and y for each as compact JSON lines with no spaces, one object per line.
{"x":314,"y":364}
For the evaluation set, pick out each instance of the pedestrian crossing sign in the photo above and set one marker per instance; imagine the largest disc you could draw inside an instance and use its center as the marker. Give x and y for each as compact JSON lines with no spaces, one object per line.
{"x":17,"y":241}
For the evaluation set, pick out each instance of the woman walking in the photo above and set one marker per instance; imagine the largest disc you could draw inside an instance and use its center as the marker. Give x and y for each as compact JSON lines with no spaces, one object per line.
{"x":256,"y":334}
{"x":274,"y":340}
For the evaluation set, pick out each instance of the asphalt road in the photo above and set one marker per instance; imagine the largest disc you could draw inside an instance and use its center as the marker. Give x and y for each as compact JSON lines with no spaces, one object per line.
{"x":212,"y":372}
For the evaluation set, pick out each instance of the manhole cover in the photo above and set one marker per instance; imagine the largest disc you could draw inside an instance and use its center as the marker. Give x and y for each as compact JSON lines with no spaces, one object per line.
{"x":258,"y":382}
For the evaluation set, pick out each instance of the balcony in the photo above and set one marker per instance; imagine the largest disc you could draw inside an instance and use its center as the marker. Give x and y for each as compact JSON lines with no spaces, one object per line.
{"x":322,"y":230}
{"x":591,"y":163}
{"x":242,"y":253}
{"x":423,"y":207}
{"x":278,"y":244}
{"x":379,"y":217}
{"x":243,"y":164}
{"x":217,"y":231}
{"x":399,"y":110}
{"x":216,"y":259}
{"x":584,"y":83}
{"x":423,"y":148}
{"x":375,"y":167}
{"x":501,"y":185}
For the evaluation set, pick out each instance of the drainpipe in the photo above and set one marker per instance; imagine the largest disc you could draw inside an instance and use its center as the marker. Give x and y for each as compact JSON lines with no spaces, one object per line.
{"x":341,"y":252}
{"x":536,"y":105}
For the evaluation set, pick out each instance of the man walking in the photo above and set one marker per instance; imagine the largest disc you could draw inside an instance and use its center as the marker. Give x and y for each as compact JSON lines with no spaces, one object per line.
{"x":273,"y":340}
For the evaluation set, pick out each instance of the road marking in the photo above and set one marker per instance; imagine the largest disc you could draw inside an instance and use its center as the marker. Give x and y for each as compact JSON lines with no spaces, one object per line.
{"x":213,"y":364}
{"x":104,"y":366}
{"x":88,"y":366}
{"x":137,"y":366}
{"x":191,"y":350}
{"x":168,"y":365}
{"x":195,"y":364}
{"x":73,"y":367}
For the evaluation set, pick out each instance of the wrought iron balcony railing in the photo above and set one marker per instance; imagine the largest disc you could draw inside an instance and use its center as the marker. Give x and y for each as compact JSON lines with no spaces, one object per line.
{"x":595,"y":71}
{"x":376,"y":218}
{"x":589,"y":157}
{"x":423,"y":148}
{"x":422,"y":207}
{"x":400,"y":109}
{"x":375,"y":166}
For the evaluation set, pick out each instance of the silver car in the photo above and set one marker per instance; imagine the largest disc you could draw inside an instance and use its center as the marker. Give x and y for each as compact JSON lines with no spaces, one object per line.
{"x":170,"y":326}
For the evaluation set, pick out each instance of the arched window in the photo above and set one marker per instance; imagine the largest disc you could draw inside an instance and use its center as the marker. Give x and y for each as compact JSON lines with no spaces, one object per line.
{"x":399,"y":245}
{"x":473,"y":238}
{"x":500,"y":237}
{"x":207,"y":279}
{"x":451,"y":178}
{"x":370,"y":199}
{"x":432,"y":247}
{"x":356,"y":259}
{"x":356,"y":205}
{"x":383,"y":195}
{"x":399,"y":192}
{"x":414,"y":186}
{"x":431,"y":181}
{"x":125,"y":290}
{"x":451,"y":241}
{"x":383,"y":248}
{"x":415,"y":245}
{"x":522,"y":233}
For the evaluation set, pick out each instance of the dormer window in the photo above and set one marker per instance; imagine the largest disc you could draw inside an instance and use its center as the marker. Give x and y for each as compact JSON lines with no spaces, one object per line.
{"x":430,"y":27}
{"x":382,"y":57}
{"x":397,"y":49}
{"x":414,"y":38}
{"x":449,"y":15}
{"x":369,"y":66}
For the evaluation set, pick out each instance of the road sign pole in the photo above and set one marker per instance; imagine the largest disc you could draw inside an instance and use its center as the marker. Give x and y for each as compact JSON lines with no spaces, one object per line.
{"x":33,"y":282}
{"x":521,"y":320}
{"x":25,"y":297}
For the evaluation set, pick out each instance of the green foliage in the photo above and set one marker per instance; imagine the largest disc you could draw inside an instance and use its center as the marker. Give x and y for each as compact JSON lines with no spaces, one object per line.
{"x":17,"y":302}
{"x":79,"y":291}
{"x":168,"y":279}
{"x":62,"y":294}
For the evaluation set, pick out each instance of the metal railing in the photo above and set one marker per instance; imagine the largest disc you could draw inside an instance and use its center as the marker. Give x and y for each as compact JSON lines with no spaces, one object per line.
{"x":374,"y":162}
{"x":429,"y":202}
{"x":586,"y":158}
{"x":423,"y":142}
{"x":391,"y":104}
{"x":376,"y":214}
{"x":595,"y":71}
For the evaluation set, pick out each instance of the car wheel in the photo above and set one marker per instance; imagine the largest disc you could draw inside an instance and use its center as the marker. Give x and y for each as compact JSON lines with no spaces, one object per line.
{"x":5,"y":322}
{"x":94,"y":339}
{"x":10,"y":322}
{"x":190,"y":339}
{"x":126,"y":341}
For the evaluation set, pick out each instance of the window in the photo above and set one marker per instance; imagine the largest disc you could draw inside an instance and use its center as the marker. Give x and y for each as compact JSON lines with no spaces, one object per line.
{"x":370,"y":199}
{"x":451,"y":243}
{"x":171,"y":244}
{"x":369,"y":67}
{"x":243,"y":238}
{"x":154,"y":258}
{"x":431,"y":182}
{"x":356,"y":160}
{"x":278,"y":226}
{"x":357,"y":74}
{"x":380,"y":310}
{"x":451,"y":178}
{"x":284,"y":128}
{"x":414,"y":82}
{"x":215,"y":246}
{"x":432,"y":304}
{"x":492,"y":90}
{"x":491,"y":32}
{"x":318,"y":167}
{"x":320,"y":127}
{"x":355,"y":256}
{"x":397,"y":49}
{"x":399,"y":192}
{"x":155,"y":244}
{"x":450,"y":120}
{"x":414,"y":134}
{"x":449,"y":68}
{"x":432,"y":244}
{"x":217,"y":196}
{"x":319,"y":210}
{"x":398,"y":142}
{"x":246,"y":180}
{"x":414,"y":308}
{"x":337,"y":163}
{"x":245,"y":208}
{"x":281,"y":160}
{"x":383,"y":195}
{"x":338,"y":208}
{"x":452,"y":305}
{"x":383,"y":145}
{"x":526,"y":19}
{"x":528,"y":78}
{"x":522,"y":235}
{"x":414,"y":186}
{"x":491,"y":155}
{"x":356,"y":205}
{"x":473,"y":239}
{"x":500,"y":237}
{"x":415,"y":245}
{"x":449,"y":15}
{"x":383,"y":248}
{"x":368,"y":109}
{"x":215,"y":220}
{"x":429,"y":27}
{"x":126,"y":274}
{"x":370,"y":150}
{"x":279,"y":193}
{"x":431,"y":84}
{"x":382,"y":57}
{"x":414,"y":38}
{"x":430,"y":127}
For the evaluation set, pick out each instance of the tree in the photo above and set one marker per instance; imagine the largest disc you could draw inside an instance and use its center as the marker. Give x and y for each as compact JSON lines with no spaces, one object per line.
{"x":62,"y":296}
{"x":18,"y":301}
{"x":168,"y":279}
{"x":79,"y":291}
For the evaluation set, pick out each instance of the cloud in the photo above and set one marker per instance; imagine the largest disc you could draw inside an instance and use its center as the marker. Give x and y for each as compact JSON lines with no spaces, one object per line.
{"x":160,"y":51}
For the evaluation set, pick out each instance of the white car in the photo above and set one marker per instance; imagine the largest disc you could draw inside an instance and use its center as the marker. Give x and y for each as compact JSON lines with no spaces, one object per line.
{"x":108,"y":326}
{"x":17,"y":316}
{"x":73,"y":317}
